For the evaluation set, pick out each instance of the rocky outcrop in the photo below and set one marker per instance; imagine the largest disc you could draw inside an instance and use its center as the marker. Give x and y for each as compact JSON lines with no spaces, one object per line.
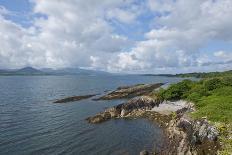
{"x":191,"y":137}
{"x":185,"y":136}
{"x":130,"y":91}
{"x":133,"y":107}
{"x":74,"y":98}
{"x":144,"y":152}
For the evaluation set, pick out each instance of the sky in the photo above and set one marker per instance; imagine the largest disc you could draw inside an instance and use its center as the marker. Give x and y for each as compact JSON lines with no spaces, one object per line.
{"x":125,"y":36}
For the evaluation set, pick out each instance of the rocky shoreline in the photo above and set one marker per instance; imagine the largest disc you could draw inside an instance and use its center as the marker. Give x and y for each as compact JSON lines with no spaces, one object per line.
{"x":184,"y":135}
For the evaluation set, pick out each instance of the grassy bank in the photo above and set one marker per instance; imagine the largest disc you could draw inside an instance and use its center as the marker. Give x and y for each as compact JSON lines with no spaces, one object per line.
{"x":212,"y":97}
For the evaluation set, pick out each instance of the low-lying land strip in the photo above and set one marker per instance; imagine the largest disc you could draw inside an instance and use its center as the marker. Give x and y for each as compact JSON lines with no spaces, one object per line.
{"x":130,"y":91}
{"x":74,"y":98}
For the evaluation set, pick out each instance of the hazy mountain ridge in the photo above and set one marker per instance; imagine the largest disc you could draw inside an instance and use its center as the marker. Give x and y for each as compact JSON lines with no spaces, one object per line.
{"x":49,"y":71}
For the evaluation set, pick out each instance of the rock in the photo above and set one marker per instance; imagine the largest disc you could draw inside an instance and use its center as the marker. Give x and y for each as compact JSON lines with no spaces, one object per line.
{"x":113,"y":112}
{"x":213,"y":133}
{"x":141,"y":102}
{"x":130,"y":91}
{"x":188,"y":136}
{"x":185,"y":124}
{"x":144,"y":152}
{"x":74,"y":98}
{"x":129,"y":108}
{"x":99,"y":118}
{"x":123,"y":113}
{"x":205,"y":132}
{"x":96,"y":119}
{"x":202,"y":132}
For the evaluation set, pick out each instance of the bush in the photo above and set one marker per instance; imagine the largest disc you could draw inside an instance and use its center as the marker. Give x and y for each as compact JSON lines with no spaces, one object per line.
{"x":176,"y":91}
{"x":212,"y":84}
{"x":194,"y":97}
{"x":227,"y":81}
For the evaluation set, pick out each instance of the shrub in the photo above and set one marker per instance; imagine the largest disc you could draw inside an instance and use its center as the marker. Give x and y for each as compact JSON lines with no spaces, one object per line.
{"x":176,"y":91}
{"x":227,"y":81}
{"x":212,"y":84}
{"x":194,"y":97}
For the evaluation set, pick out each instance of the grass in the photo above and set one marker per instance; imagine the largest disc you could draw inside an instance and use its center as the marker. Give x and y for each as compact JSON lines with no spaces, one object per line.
{"x":215,"y":108}
{"x":212,"y":98}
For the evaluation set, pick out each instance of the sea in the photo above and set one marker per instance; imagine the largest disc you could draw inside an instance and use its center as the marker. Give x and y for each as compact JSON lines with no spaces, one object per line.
{"x":31,"y":124}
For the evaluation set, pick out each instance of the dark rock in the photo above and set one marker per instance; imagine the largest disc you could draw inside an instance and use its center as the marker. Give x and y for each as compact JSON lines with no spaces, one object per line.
{"x":74,"y":98}
{"x":144,"y":152}
{"x":96,"y":119}
{"x":130,"y":91}
{"x":125,"y":109}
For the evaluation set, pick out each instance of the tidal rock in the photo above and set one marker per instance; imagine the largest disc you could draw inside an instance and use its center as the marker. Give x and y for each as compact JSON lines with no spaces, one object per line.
{"x":129,"y":108}
{"x":130,"y":91}
{"x":99,"y":118}
{"x":144,"y":152}
{"x":74,"y":98}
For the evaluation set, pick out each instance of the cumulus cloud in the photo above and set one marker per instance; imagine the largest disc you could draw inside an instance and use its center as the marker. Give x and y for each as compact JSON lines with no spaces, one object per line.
{"x":76,"y":33}
{"x":180,"y":31}
{"x":224,"y":55}
{"x":67,"y":34}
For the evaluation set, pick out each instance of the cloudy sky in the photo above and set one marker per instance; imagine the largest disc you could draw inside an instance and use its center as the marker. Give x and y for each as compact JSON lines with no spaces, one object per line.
{"x":129,"y":36}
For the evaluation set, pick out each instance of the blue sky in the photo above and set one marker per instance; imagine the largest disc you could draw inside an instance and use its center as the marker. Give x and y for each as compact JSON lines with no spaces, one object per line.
{"x":129,"y":36}
{"x":21,"y":11}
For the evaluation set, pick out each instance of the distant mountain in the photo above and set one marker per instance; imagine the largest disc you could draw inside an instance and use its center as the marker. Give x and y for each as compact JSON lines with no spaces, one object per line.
{"x":28,"y":70}
{"x":22,"y":71}
{"x":48,"y":71}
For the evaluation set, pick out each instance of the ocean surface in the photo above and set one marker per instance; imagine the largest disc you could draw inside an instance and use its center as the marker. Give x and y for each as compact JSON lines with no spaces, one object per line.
{"x":30,"y":123}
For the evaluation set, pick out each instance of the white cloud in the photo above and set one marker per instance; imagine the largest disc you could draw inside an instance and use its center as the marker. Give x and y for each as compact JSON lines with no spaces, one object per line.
{"x":67,"y":34}
{"x":75,"y":33}
{"x":183,"y":28}
{"x":126,"y":15}
{"x":224,"y":55}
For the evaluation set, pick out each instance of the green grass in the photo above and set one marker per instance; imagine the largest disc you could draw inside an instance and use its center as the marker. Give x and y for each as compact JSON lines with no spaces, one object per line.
{"x":212,"y":98}
{"x":215,"y":108}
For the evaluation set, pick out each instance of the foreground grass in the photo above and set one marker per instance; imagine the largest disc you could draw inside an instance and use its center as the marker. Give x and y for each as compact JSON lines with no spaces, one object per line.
{"x":217,"y":107}
{"x":212,"y":98}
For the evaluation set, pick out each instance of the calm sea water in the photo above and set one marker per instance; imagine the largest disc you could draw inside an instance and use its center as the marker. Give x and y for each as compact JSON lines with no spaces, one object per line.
{"x":31,"y":124}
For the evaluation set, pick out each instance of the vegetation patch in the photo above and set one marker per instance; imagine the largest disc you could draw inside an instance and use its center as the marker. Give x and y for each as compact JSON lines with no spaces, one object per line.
{"x":212,"y":97}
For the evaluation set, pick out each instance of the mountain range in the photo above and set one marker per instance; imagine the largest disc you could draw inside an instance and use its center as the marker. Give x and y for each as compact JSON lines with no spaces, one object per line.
{"x":49,"y":71}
